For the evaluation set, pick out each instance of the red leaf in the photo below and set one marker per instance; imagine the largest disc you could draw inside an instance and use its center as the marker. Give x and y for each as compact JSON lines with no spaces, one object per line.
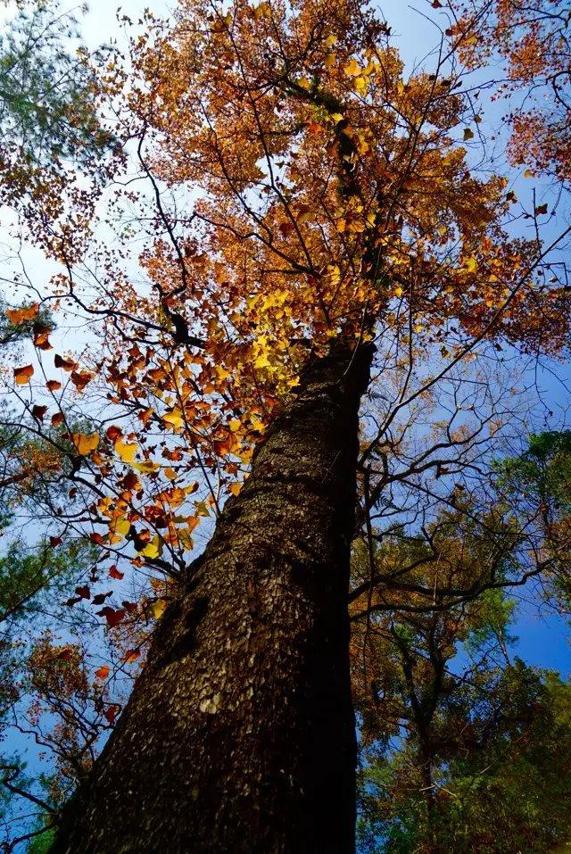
{"x":80,"y":380}
{"x":130,"y":481}
{"x":55,"y":541}
{"x":115,"y":573}
{"x":112,"y":616}
{"x":113,"y":433}
{"x":83,"y":591}
{"x":111,"y":713}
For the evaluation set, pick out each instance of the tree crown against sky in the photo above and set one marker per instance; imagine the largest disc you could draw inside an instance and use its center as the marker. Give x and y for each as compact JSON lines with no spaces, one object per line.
{"x":302,"y":193}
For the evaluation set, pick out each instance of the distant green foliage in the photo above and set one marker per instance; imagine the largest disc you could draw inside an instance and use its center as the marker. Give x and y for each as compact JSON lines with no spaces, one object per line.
{"x":543,"y":471}
{"x":503,"y":787}
{"x":46,"y":90}
{"x":538,"y":483}
{"x":464,"y":749}
{"x":41,"y":844}
{"x":27,"y":572}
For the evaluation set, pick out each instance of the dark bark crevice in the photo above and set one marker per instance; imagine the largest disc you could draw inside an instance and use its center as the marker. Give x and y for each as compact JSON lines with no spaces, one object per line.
{"x":239,"y":735}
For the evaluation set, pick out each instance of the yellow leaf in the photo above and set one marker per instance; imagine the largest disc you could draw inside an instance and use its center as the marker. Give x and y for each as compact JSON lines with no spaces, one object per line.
{"x":246,"y":455}
{"x":221,"y":373}
{"x":352,"y":69}
{"x":470,"y":264}
{"x":262,"y":11}
{"x":126,"y":450}
{"x":235,"y":424}
{"x":175,"y":418}
{"x":170,"y":473}
{"x":159,"y":608}
{"x":360,"y":85}
{"x":202,"y":509}
{"x":152,"y":549}
{"x":398,"y":291}
{"x":121,"y":526}
{"x":147,"y":467}
{"x":256,"y":423}
{"x":235,"y":488}
{"x":262,"y":361}
{"x":85,"y":443}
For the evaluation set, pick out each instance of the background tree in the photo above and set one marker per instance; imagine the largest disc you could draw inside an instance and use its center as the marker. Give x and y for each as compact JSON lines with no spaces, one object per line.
{"x":53,"y":143}
{"x":533,"y":41}
{"x":459,"y":741}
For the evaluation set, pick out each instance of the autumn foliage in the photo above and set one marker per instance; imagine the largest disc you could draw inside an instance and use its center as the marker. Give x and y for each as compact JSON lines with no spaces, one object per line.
{"x":297,"y":193}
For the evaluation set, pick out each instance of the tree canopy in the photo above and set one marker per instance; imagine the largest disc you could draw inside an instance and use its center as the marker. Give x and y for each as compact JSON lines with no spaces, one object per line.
{"x":246,"y":198}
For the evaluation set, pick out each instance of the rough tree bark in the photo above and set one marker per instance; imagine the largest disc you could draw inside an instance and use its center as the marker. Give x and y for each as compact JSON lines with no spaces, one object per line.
{"x":239,"y":735}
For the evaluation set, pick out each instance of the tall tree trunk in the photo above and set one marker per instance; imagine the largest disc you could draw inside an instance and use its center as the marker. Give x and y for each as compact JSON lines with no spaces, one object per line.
{"x":239,"y":734}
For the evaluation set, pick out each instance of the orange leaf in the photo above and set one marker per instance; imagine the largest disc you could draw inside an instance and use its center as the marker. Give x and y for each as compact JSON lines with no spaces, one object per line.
{"x":23,"y":375}
{"x":20,"y":315}
{"x":102,"y":672}
{"x":85,"y":442}
{"x":41,"y":340}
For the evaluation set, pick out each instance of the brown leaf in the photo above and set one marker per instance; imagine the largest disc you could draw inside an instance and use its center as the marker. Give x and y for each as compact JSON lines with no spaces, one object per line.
{"x":65,"y":364}
{"x":39,"y":411}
